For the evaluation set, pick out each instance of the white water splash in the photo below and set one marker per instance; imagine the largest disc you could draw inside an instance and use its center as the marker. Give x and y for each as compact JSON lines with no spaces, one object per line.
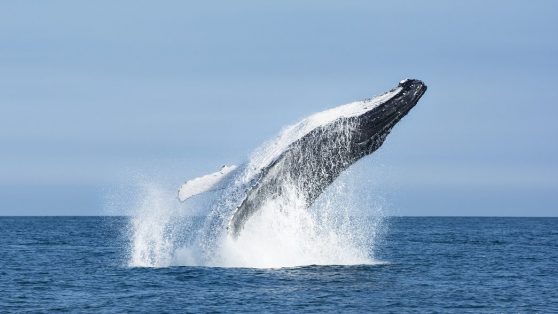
{"x":339,"y":229}
{"x":285,"y":234}
{"x":151,"y":230}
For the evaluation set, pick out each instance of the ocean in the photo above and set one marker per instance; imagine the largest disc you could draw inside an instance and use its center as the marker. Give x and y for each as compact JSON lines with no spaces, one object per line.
{"x":424,"y":264}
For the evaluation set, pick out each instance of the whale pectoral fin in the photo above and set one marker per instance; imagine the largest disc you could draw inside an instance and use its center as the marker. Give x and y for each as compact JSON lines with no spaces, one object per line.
{"x":211,"y":182}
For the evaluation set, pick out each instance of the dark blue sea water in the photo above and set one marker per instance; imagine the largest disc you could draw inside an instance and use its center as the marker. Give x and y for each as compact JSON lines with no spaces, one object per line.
{"x":78,"y":264}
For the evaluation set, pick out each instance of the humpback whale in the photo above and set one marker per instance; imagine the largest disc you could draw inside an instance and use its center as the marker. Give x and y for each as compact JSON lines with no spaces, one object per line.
{"x":309,"y":155}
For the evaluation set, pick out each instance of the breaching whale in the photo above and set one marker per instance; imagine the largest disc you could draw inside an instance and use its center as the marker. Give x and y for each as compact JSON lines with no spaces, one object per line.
{"x":309,"y":155}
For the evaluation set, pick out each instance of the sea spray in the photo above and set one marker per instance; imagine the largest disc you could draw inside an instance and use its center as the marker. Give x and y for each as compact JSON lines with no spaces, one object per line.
{"x":284,"y":233}
{"x":158,"y":226}
{"x":340,"y":229}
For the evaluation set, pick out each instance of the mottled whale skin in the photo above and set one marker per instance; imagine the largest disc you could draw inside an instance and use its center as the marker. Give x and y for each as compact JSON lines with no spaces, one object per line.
{"x":316,"y":159}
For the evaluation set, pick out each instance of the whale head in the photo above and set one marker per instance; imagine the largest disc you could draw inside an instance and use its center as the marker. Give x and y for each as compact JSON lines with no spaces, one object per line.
{"x":375,"y":124}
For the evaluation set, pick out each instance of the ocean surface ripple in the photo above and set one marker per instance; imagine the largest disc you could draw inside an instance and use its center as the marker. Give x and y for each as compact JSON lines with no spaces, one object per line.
{"x":451,"y":264}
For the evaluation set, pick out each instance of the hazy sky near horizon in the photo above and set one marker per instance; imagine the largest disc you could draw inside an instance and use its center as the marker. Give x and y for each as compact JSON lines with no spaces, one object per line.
{"x":98,"y":96}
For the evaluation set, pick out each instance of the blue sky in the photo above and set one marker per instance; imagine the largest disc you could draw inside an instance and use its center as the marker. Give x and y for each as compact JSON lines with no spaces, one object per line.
{"x":96,"y":96}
